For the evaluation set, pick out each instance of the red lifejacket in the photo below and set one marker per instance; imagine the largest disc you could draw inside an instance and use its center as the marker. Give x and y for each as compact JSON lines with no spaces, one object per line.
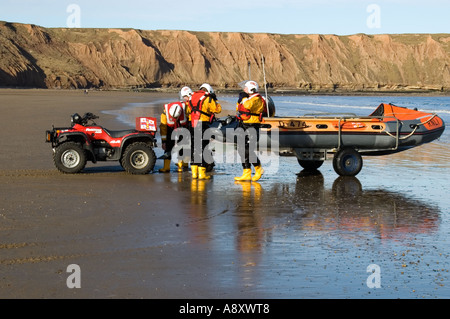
{"x":196,"y":104}
{"x":182,"y":119}
{"x":245,"y":114}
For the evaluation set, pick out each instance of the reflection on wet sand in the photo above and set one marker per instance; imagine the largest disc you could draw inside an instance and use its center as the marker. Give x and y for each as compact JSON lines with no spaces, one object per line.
{"x":198,"y":210}
{"x":348,"y":207}
{"x":249,"y":232}
{"x":253,"y":228}
{"x":261,"y":209}
{"x":252,"y":214}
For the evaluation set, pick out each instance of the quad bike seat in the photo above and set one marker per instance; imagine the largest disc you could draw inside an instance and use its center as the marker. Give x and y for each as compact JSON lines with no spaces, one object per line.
{"x":117,"y":134}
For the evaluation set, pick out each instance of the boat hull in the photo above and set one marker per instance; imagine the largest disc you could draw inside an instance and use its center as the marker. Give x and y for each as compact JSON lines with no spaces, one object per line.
{"x":371,"y":134}
{"x":392,"y":137}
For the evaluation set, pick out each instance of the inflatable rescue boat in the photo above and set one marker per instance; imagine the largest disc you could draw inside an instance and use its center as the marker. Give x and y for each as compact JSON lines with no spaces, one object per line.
{"x":312,"y":137}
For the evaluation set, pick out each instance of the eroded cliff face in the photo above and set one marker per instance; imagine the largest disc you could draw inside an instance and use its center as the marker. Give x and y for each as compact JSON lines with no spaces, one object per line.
{"x":33,"y":56}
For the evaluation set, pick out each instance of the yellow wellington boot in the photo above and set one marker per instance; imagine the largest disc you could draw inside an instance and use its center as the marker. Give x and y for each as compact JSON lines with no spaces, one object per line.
{"x":166,"y":167}
{"x":258,"y":173}
{"x":194,"y":170}
{"x":202,"y":173}
{"x":246,"y":175}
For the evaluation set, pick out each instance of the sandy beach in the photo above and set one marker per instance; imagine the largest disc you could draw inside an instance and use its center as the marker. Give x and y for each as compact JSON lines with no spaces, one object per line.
{"x":291,"y":235}
{"x":125,"y":233}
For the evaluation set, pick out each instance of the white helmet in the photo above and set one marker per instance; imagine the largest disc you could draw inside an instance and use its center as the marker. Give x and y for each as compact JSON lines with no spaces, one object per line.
{"x":175,"y":111}
{"x":208,"y":88}
{"x":185,"y":91}
{"x":252,"y":86}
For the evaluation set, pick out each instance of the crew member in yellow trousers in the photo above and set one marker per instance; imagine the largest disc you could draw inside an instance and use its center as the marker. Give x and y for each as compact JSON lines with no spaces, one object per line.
{"x":173,"y":116}
{"x":251,"y":108}
{"x":203,"y":105}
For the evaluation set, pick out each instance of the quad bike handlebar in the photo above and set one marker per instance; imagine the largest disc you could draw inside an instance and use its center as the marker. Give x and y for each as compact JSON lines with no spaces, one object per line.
{"x":83,"y":120}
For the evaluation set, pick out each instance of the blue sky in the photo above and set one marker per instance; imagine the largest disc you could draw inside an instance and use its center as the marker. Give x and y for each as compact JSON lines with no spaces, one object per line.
{"x":340,"y":17}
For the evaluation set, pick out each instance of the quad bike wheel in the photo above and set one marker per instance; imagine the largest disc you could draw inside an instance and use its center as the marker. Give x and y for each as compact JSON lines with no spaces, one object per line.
{"x":138,"y":158}
{"x":70,"y":158}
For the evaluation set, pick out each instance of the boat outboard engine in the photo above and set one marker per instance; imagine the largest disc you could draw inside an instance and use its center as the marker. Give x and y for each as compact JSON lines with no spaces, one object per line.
{"x":270,"y":104}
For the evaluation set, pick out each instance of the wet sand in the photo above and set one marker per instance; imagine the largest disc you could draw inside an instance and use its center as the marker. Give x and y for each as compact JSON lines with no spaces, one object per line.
{"x":292,"y":235}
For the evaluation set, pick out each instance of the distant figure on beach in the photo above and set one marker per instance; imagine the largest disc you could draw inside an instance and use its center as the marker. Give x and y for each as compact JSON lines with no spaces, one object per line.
{"x":203,"y":106}
{"x":174,"y":116}
{"x":250,"y":108}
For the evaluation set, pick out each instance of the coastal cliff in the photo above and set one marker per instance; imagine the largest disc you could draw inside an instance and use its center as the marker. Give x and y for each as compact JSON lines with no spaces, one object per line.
{"x":34,"y":56}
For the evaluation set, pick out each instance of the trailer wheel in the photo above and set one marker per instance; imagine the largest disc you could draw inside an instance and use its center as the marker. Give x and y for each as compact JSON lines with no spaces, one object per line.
{"x":347,"y":162}
{"x":138,"y":158}
{"x":69,"y":158}
{"x":310,"y":165}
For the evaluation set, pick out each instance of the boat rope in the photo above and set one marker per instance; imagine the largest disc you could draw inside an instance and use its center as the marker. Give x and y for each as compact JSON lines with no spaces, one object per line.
{"x":432,"y":117}
{"x":265,"y":84}
{"x":404,"y":137}
{"x":416,"y":126}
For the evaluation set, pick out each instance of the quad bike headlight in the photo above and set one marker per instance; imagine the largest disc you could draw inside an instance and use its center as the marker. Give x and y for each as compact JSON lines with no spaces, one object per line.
{"x":75,"y":119}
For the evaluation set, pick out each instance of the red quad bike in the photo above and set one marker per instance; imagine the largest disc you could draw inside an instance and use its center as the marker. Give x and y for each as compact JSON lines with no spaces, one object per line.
{"x":86,"y":141}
